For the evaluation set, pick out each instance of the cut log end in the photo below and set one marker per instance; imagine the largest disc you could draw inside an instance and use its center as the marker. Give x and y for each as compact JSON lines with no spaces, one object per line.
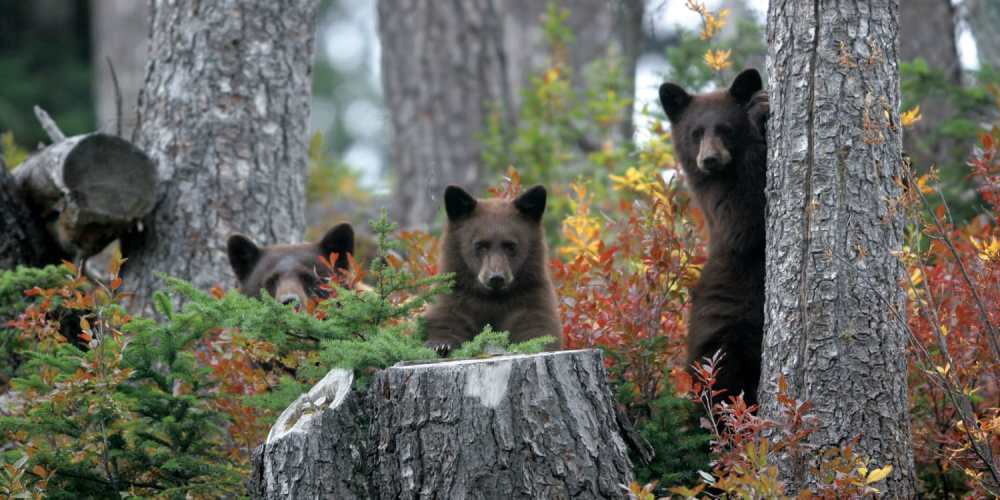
{"x":89,"y":188}
{"x":538,"y":426}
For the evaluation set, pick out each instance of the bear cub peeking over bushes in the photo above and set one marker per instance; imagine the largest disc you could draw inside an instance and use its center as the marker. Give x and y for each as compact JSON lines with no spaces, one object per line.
{"x":719,"y":139}
{"x":292,"y":274}
{"x":496,"y":249}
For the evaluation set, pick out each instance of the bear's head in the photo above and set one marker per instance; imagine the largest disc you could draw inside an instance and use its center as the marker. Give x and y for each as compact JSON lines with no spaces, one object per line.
{"x":712,"y":131}
{"x":292,"y":274}
{"x":494,"y":245}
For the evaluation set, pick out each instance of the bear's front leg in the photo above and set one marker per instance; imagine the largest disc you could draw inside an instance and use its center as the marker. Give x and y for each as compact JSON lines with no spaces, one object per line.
{"x":445,"y":332}
{"x":531,"y":324}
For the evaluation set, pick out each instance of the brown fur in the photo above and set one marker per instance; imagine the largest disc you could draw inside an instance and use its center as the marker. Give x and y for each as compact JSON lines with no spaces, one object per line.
{"x":720,"y":142}
{"x":497,"y":251}
{"x":292,"y":274}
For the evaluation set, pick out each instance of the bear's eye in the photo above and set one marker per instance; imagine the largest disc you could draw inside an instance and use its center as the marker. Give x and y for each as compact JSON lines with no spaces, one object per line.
{"x":271,"y":284}
{"x":697,"y":133}
{"x":510,"y":247}
{"x":482,"y":246}
{"x":724,"y":131}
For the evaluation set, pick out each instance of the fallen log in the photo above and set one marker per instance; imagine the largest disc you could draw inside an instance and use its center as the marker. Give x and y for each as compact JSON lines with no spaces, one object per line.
{"x":539,"y":426}
{"x":88,"y":189}
{"x":24,"y":241}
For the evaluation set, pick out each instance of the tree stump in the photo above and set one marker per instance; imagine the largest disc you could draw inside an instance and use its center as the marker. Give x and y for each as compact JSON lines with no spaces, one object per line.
{"x":89,"y":189}
{"x":539,"y":426}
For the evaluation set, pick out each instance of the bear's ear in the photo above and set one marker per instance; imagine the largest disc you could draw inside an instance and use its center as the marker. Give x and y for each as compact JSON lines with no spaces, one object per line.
{"x":674,"y":100}
{"x":339,"y":240}
{"x":458,"y":203}
{"x":746,"y":85}
{"x":531,"y":203}
{"x":243,"y":255}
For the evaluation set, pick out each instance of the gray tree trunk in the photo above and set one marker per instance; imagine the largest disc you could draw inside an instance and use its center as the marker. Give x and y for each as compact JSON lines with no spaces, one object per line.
{"x":223,"y":113}
{"x":832,"y":280}
{"x":119,"y":32}
{"x":930,"y":34}
{"x":447,"y":65}
{"x":443,"y":68}
{"x":541,"y":426}
{"x":984,"y":22}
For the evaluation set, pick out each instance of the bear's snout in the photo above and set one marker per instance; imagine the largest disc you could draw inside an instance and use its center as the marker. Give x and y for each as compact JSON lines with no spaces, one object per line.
{"x":713,"y":155}
{"x":495,"y":274}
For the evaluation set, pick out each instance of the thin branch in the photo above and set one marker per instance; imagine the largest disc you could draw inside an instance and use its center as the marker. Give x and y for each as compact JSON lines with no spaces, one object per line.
{"x":49,"y":125}
{"x":118,"y":98}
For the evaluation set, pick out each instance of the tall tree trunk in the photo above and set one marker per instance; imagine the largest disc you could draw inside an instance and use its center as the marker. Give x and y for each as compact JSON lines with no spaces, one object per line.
{"x":447,"y":65}
{"x":930,"y":34}
{"x":119,"y":32}
{"x":601,"y":28}
{"x":223,"y":113}
{"x":984,"y":22}
{"x":832,"y":281}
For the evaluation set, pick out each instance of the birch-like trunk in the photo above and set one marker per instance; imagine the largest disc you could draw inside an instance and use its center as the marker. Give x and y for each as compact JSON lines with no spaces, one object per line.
{"x":983,"y":17}
{"x":832,"y":280}
{"x":929,"y":33}
{"x":223,"y":113}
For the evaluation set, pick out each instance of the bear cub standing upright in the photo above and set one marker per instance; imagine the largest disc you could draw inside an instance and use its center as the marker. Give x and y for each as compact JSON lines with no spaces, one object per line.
{"x":292,"y":274}
{"x":496,"y":249}
{"x":719,"y":139}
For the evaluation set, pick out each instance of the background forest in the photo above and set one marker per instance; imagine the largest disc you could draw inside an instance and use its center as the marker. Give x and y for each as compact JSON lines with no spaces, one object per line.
{"x":101,"y":399}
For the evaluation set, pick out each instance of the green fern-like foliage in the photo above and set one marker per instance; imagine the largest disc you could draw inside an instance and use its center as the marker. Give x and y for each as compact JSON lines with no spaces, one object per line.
{"x":490,"y":342}
{"x":129,"y":416}
{"x":672,"y":428}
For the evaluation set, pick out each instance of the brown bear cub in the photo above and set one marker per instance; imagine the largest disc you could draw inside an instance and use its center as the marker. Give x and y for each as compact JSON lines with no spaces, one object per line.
{"x":719,"y":138}
{"x":496,"y":250}
{"x":292,"y":274}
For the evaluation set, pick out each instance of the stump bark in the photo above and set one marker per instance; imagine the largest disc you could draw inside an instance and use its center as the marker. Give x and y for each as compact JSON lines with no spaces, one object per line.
{"x":539,"y":426}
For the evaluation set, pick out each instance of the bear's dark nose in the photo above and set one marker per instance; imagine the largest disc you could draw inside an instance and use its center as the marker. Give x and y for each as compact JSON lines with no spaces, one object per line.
{"x":290,"y":300}
{"x":496,"y":281}
{"x":711,"y":163}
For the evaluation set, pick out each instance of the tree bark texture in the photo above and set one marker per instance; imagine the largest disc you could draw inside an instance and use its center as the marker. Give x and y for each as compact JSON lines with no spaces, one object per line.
{"x":24,"y":241}
{"x":929,"y":33}
{"x":119,"y":32}
{"x":541,"y":426}
{"x":446,"y":66}
{"x":89,"y":189}
{"x":832,"y":280}
{"x":223,"y":113}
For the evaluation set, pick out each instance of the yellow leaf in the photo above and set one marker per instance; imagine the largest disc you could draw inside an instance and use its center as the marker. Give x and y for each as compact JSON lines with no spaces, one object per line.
{"x":910,"y":117}
{"x":988,"y":251}
{"x":718,"y":60}
{"x":923,"y":183}
{"x":878,"y":474}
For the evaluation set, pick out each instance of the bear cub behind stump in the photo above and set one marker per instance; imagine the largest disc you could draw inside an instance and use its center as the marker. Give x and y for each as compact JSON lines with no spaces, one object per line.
{"x":496,"y":249}
{"x":292,"y":274}
{"x":719,"y":139}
